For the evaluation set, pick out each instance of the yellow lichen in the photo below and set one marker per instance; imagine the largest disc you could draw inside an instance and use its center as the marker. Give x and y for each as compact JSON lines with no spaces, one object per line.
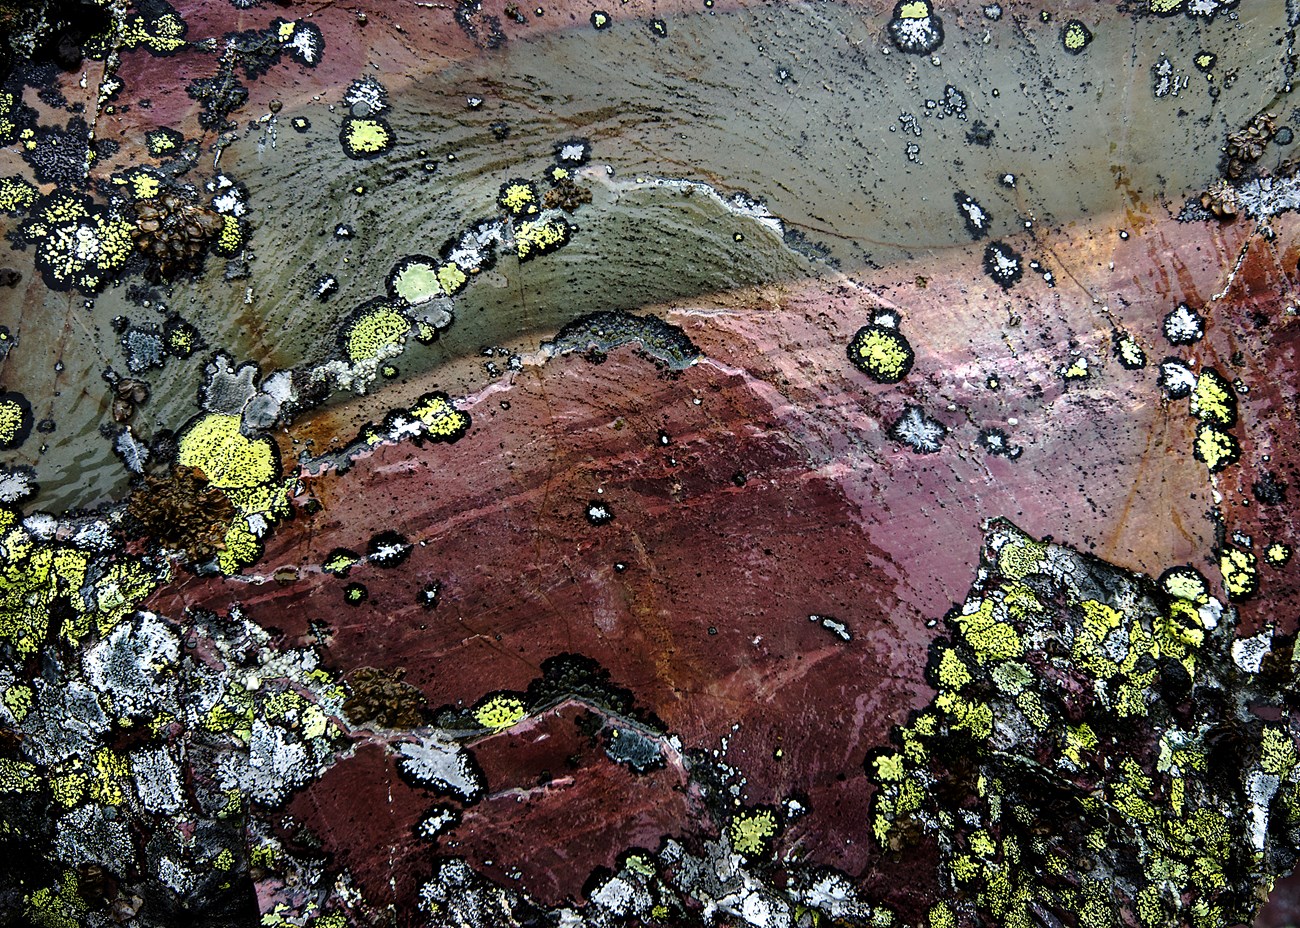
{"x":441,"y":419}
{"x":415,"y":282}
{"x":752,"y":831}
{"x":953,"y":674}
{"x":61,"y":908}
{"x":378,"y":330}
{"x":232,"y":236}
{"x":451,"y":278}
{"x":989,"y":638}
{"x":499,"y":712}
{"x":1215,"y":448}
{"x":518,"y":198}
{"x":882,"y":353}
{"x":1277,"y":554}
{"x":108,"y":772}
{"x":16,"y":194}
{"x":215,"y":445}
{"x":365,"y":138}
{"x":15,"y":420}
{"x":18,"y":776}
{"x":1019,"y":558}
{"x":1213,"y":400}
{"x":536,"y":238}
{"x":1240,"y":575}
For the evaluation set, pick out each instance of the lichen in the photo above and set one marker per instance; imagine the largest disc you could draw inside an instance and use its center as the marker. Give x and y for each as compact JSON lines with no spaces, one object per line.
{"x":1081,"y":726}
{"x":183,"y":511}
{"x":380,"y":695}
{"x":881,"y":352}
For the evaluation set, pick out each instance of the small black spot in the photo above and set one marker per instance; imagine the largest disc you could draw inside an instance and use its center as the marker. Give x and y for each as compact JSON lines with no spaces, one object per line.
{"x":980,"y":134}
{"x":1269,"y":490}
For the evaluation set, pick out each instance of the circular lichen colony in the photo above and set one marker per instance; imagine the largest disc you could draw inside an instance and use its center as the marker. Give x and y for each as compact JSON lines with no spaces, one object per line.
{"x":365,"y":138}
{"x":374,"y":330}
{"x":79,"y":244}
{"x":518,"y":198}
{"x":1075,"y":37}
{"x":415,"y":280}
{"x":882,"y":353}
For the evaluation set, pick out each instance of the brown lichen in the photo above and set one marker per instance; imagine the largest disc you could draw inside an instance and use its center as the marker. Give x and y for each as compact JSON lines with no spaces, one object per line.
{"x":1221,"y":200}
{"x":379,"y":695}
{"x":182,"y":510}
{"x":173,"y":233}
{"x":566,"y":195}
{"x":127,"y":394}
{"x":1246,"y":145}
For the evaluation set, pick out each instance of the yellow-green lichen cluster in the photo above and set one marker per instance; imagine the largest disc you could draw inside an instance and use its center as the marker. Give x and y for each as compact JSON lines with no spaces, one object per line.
{"x":43,"y":579}
{"x":1075,"y":37}
{"x":519,"y":198}
{"x":537,"y":237}
{"x":418,"y":279}
{"x":374,"y":331}
{"x":232,"y":237}
{"x":157,"y":27}
{"x":881,"y":352}
{"x":432,"y":417}
{"x":15,"y":420}
{"x":1240,"y":572}
{"x":78,"y":243}
{"x":365,"y":138}
{"x":1214,"y":404}
{"x":16,"y":195}
{"x":247,"y":470}
{"x":1076,"y":369}
{"x":14,"y":117}
{"x":1128,"y":352}
{"x":1278,"y":554}
{"x":163,"y":141}
{"x":751,"y":832}
{"x":1078,"y":731}
{"x":441,"y":420}
{"x":499,"y":711}
{"x":57,"y":906}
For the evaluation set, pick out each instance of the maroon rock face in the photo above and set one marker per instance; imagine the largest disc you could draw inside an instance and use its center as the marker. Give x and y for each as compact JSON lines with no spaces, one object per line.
{"x":697,"y":597}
